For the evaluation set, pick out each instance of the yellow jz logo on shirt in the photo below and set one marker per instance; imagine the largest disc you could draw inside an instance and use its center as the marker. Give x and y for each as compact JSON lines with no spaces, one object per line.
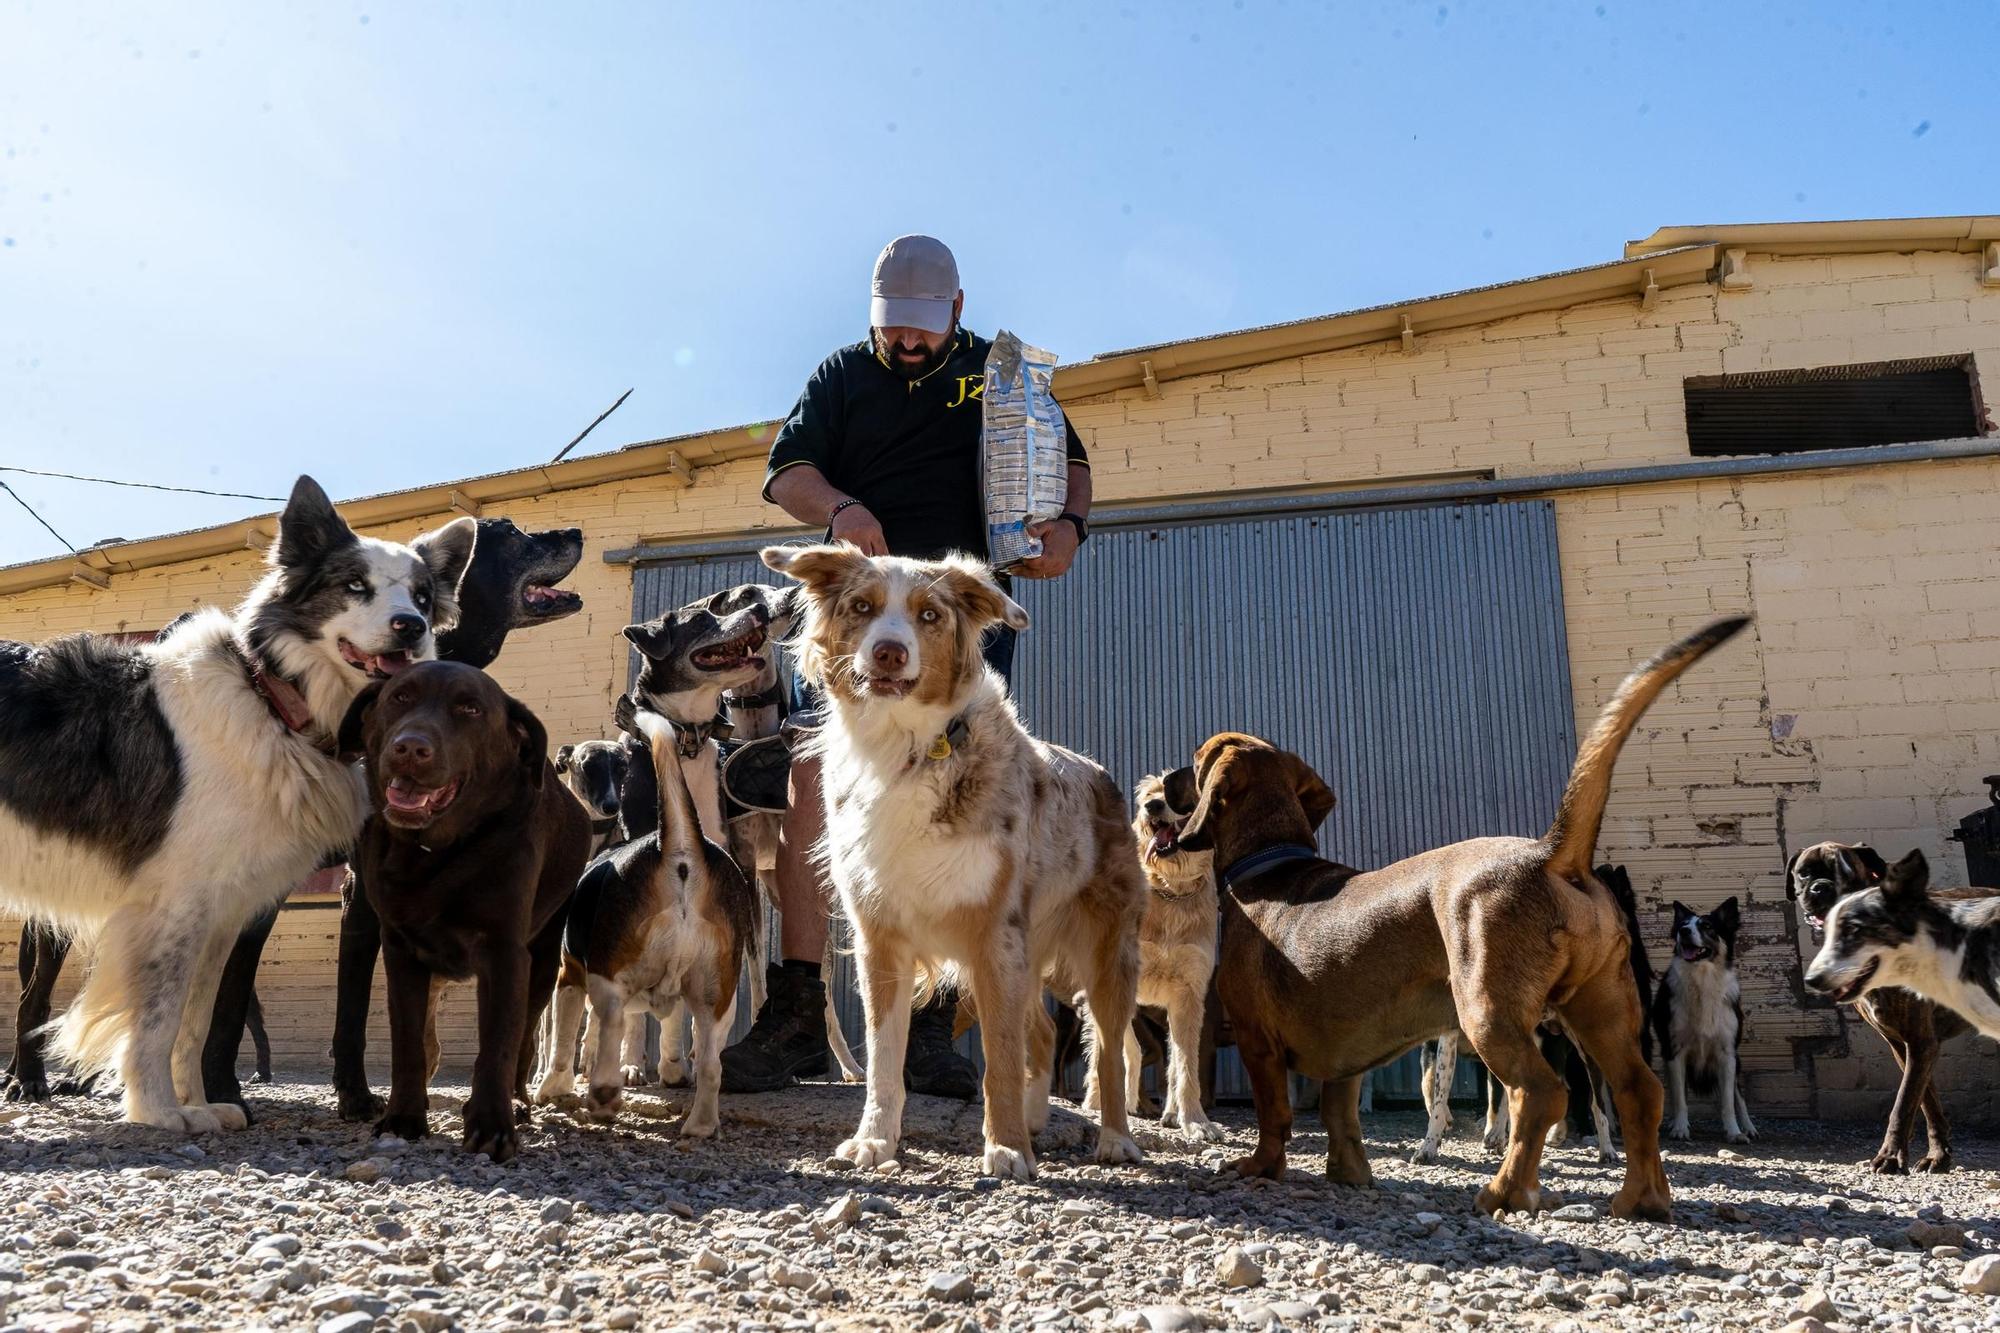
{"x":969,"y":387}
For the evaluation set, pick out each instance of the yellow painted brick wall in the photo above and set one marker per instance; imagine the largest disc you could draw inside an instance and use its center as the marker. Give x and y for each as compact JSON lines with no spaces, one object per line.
{"x":1862,"y":705}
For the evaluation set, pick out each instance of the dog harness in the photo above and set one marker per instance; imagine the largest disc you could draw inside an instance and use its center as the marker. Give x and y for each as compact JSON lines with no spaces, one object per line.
{"x":1255,"y":864}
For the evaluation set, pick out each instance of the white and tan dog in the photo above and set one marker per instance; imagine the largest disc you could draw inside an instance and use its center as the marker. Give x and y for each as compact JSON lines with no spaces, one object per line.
{"x":1176,"y":954}
{"x":155,"y":798}
{"x":960,"y":844}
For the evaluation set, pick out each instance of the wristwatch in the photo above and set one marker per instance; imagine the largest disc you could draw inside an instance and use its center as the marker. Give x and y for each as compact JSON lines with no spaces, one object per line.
{"x":1077,"y":522}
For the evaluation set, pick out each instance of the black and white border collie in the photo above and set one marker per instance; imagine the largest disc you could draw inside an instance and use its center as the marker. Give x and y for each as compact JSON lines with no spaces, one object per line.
{"x":1946,"y":948}
{"x":1698,"y":1019}
{"x":155,"y":798}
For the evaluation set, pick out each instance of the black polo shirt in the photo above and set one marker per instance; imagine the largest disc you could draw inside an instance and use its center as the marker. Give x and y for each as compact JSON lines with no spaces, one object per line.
{"x":909,"y":450}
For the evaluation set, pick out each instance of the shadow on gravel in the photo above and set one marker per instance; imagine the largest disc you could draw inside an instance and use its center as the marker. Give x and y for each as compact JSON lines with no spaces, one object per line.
{"x":637,"y":1164}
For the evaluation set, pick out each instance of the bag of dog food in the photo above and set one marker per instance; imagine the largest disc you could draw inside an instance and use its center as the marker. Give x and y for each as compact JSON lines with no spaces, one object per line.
{"x":1026,"y":458}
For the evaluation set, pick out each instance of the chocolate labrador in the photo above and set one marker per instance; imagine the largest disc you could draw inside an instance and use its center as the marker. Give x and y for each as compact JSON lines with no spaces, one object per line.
{"x":469,"y":859}
{"x":1332,"y":971}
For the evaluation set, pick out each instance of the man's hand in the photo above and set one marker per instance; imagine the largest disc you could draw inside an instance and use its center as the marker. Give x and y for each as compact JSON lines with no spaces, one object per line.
{"x":1059,"y":543}
{"x":855,"y":524}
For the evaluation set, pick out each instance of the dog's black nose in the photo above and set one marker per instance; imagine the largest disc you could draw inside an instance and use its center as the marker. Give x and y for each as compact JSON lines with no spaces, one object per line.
{"x":1155,"y":808}
{"x":413,"y":746}
{"x":407,"y":629}
{"x":891,"y":656}
{"x":611,"y":805}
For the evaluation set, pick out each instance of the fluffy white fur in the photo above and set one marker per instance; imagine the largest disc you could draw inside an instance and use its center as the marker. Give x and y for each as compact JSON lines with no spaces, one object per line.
{"x":260,"y":806}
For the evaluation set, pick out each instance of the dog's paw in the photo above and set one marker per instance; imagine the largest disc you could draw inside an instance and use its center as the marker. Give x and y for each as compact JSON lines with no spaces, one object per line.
{"x":408,"y":1128}
{"x":1607,"y":1154}
{"x":498,"y":1139}
{"x":675,"y":1074}
{"x":18,"y":1089}
{"x":1679,"y":1130}
{"x":1006,"y":1163}
{"x":1424,"y":1153}
{"x":700,"y":1125}
{"x":866,"y":1153}
{"x":1934,"y":1162}
{"x":605,"y":1101}
{"x":553,"y":1089}
{"x":1495,"y":1139}
{"x":228,"y":1115}
{"x":1517,"y":1199}
{"x":1648,"y":1204}
{"x":633,"y":1076}
{"x":361,"y":1106}
{"x":1117,"y":1148}
{"x":1737,"y":1136}
{"x":1201,"y":1131}
{"x":1270,"y":1168}
{"x":1749,"y":1129}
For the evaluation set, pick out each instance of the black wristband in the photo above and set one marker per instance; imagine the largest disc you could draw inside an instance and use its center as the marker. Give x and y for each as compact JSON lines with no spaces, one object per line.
{"x":1077,"y":522}
{"x":834,"y":513}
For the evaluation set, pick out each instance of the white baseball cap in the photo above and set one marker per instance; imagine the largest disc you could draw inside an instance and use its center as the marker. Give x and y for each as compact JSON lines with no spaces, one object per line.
{"x":916,"y":281}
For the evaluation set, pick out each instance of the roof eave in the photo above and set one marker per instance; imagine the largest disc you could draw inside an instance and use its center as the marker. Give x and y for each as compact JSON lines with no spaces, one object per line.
{"x":1354,"y":328}
{"x":1964,"y":233}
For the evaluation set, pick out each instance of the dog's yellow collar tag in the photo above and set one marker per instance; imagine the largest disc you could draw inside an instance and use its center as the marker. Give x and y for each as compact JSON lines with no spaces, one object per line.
{"x":940,"y":748}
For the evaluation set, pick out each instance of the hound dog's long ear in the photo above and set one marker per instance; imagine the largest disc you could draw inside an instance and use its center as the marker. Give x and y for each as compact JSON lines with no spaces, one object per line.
{"x":352,"y":739}
{"x":563,"y":757}
{"x":1315,"y":797}
{"x":1179,"y":790}
{"x":531,"y":740}
{"x":1864,"y":863}
{"x":1198,"y":834}
{"x":1792,"y":873}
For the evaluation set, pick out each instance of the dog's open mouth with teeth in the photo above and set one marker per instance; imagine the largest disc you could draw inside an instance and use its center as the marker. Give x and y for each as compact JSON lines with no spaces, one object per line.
{"x":544,"y":601}
{"x":1857,"y":984}
{"x":1694,"y":953}
{"x":1166,"y":838}
{"x":408,"y":804}
{"x":732,"y":654}
{"x":379,"y":666}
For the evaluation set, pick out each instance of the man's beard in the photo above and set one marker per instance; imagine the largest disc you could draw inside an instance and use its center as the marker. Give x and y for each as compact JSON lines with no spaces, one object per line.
{"x":914,"y":370}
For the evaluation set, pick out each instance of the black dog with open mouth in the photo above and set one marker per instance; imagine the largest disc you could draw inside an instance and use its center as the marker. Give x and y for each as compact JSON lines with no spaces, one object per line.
{"x":469,"y":860}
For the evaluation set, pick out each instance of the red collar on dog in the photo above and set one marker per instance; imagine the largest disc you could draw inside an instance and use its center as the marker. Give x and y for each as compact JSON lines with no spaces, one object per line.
{"x":285,"y":701}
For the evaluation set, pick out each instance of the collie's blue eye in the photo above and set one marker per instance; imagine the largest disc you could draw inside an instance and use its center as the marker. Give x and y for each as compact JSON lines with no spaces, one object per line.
{"x":929,"y":615}
{"x":357,"y":585}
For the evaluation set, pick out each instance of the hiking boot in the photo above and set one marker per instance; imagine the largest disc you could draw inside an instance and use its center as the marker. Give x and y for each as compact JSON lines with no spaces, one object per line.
{"x":933,"y":1065}
{"x":788,"y":1040}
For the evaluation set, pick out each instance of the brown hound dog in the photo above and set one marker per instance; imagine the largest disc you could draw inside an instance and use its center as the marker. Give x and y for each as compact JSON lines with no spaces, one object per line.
{"x":1821,"y":876}
{"x":1332,"y":971}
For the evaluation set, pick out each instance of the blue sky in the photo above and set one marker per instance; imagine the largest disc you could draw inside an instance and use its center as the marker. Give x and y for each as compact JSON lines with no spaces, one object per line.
{"x":396,"y":244}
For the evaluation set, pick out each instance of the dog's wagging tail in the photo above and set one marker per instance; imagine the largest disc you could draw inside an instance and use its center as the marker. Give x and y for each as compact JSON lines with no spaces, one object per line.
{"x":1572,"y":838}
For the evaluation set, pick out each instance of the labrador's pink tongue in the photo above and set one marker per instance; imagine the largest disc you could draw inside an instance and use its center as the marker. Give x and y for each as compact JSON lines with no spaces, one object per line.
{"x":406,"y":795}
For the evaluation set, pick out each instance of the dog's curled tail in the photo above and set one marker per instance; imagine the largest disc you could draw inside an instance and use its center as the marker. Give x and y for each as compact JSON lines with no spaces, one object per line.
{"x":1572,"y":838}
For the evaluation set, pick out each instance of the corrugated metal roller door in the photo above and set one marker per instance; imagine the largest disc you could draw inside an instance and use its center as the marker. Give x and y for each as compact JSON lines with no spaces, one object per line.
{"x":1416,"y":657}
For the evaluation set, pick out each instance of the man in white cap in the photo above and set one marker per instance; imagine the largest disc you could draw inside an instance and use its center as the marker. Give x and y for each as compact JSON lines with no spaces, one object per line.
{"x":882,"y":450}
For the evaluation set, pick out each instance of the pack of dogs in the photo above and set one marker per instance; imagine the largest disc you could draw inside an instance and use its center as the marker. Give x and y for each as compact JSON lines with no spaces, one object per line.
{"x":159,"y":801}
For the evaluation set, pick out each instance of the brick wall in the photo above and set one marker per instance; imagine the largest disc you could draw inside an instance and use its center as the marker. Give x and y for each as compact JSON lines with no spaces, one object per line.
{"x":1861,"y":706}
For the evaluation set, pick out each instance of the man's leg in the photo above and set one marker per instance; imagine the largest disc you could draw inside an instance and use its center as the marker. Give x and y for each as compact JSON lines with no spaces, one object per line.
{"x":788,"y":1040}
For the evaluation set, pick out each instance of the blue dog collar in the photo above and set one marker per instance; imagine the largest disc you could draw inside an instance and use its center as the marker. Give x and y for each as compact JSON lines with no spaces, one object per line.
{"x":1257,"y":863}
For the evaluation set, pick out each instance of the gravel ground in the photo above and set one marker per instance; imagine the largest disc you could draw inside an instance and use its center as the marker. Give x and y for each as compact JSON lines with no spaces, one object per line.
{"x":305,"y":1222}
